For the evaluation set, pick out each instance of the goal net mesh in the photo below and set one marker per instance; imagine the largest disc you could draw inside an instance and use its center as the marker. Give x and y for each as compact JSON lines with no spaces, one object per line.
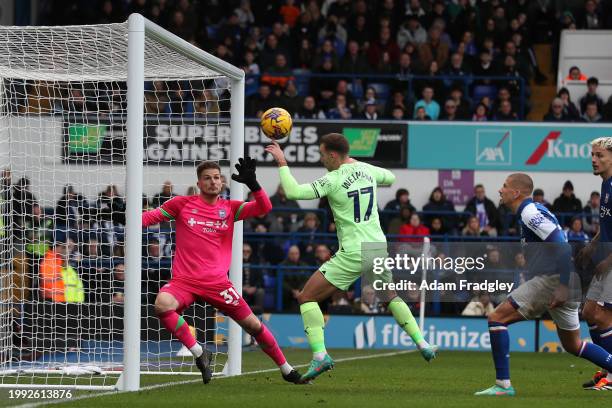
{"x":63,"y":114}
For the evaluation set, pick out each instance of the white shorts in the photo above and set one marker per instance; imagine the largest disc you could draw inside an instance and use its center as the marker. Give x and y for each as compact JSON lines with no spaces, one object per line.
{"x":532,"y":299}
{"x":600,"y":291}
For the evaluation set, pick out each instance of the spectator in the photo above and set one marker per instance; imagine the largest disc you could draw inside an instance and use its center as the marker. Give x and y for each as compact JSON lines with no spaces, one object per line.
{"x":309,"y":110}
{"x":538,"y":197}
{"x":333,"y":31}
{"x":339,"y":303}
{"x":353,"y":62}
{"x":342,"y":111}
{"x":479,"y":306}
{"x":433,"y":49}
{"x":296,"y":274}
{"x":485,"y":68}
{"x":279,"y":200}
{"x":450,"y":111}
{"x":503,"y":94}
{"x":39,"y":234}
{"x":591,"y":95}
{"x":23,"y":201}
{"x":395,"y":223}
{"x":402,"y":199}
{"x":360,"y":32}
{"x":289,"y":99}
{"x":607,"y":111}
{"x":118,"y":283}
{"x":591,"y":113}
{"x":398,"y":113}
{"x":590,"y":17}
{"x":264,"y":250}
{"x":421,"y":114}
{"x":252,"y":281}
{"x":412,"y":32}
{"x":110,"y":206}
{"x":472,"y":228}
{"x":260,"y":102}
{"x":567,"y":204}
{"x":569,"y":108}
{"x":384,"y":45}
{"x":575,"y":74}
{"x":290,"y":13}
{"x":439,"y":203}
{"x":369,"y":302}
{"x":591,"y":213}
{"x":481,"y":113}
{"x":371,"y":110}
{"x":556,"y":112}
{"x":505,"y":113}
{"x":305,"y":55}
{"x":310,"y":227}
{"x":279,"y":74}
{"x":437,"y":228}
{"x":432,"y":109}
{"x":225,"y":190}
{"x":414,"y":227}
{"x":575,"y":232}
{"x":326,"y":52}
{"x":485,"y":211}
{"x":405,"y":72}
{"x":323,"y":87}
{"x":342,"y":89}
{"x":164,"y":195}
{"x":322,"y":254}
{"x":269,"y":52}
{"x":397,"y":101}
{"x":58,"y":281}
{"x":463,"y":104}
{"x":70,"y":207}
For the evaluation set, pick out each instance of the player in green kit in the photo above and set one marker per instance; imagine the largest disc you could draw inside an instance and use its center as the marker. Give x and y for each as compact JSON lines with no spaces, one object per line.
{"x":350,"y":186}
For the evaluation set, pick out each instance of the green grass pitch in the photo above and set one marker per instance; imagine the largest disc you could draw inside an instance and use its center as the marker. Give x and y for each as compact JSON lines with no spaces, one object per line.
{"x":403,"y":380}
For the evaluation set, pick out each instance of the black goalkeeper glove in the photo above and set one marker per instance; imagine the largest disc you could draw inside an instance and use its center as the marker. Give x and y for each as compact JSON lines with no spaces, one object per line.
{"x":246,"y":173}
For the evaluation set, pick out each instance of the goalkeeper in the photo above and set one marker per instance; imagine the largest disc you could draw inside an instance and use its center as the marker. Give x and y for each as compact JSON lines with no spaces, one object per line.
{"x":204,"y":230}
{"x":350,"y":187}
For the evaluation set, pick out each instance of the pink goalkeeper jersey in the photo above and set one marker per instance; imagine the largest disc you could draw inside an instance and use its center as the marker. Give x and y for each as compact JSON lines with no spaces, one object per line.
{"x":204,"y":233}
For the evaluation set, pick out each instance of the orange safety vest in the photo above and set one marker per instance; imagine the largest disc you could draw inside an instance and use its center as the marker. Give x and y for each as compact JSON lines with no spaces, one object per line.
{"x":51,"y":279}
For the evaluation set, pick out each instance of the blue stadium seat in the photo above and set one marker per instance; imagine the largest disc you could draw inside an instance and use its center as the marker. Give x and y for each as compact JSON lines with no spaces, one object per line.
{"x":251,"y":86}
{"x":383,"y":91}
{"x":480,"y":91}
{"x":270,"y":291}
{"x":302,"y":81}
{"x":356,"y":88}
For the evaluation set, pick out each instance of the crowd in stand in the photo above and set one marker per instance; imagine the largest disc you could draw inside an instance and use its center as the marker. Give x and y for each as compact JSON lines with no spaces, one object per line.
{"x":341,"y":59}
{"x":88,"y":237}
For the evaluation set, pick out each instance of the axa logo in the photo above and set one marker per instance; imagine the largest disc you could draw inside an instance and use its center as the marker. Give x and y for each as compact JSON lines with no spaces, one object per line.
{"x":552,"y":146}
{"x":365,"y":334}
{"x":494,"y":147}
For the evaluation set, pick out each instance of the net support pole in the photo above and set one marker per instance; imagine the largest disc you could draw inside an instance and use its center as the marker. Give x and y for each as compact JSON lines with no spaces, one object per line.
{"x":234,"y":352}
{"x":134,"y":155}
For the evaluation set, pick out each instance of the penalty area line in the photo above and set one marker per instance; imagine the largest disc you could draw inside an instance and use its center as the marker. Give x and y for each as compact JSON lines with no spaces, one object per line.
{"x":169,"y":384}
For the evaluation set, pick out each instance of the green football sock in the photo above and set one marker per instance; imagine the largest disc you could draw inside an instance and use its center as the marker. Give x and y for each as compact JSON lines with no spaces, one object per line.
{"x":313,"y":325}
{"x":403,"y":316}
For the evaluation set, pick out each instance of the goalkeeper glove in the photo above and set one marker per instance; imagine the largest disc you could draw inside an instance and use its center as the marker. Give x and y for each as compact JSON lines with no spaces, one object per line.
{"x":246,"y":173}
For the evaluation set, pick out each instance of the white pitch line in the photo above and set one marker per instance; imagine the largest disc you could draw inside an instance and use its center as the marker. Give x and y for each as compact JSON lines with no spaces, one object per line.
{"x":163,"y":385}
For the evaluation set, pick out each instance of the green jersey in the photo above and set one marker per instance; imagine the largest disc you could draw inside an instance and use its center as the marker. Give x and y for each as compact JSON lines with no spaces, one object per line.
{"x":351,"y":191}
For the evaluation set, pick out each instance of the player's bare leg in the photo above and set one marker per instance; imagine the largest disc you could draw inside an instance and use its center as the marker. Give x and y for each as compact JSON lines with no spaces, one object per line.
{"x":317,"y":289}
{"x":404,"y":318}
{"x":165,"y":308}
{"x":504,"y":315}
{"x":268,"y":344}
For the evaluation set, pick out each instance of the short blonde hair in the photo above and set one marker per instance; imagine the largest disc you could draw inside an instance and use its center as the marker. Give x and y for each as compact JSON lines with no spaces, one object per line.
{"x":603,"y":142}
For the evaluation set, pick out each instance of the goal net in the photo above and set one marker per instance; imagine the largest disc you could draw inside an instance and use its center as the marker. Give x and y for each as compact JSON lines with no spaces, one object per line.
{"x":78,"y":282}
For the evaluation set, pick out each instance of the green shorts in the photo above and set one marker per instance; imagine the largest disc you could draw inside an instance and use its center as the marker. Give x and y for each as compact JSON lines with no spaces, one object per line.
{"x":344,"y":268}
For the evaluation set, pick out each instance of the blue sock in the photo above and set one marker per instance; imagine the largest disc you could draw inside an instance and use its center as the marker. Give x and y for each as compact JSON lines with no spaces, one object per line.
{"x":500,"y":346}
{"x":596,"y":355}
{"x":594,"y":332}
{"x":605,"y":339}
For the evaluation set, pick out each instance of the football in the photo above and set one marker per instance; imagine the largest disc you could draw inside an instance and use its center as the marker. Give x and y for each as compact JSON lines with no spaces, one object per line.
{"x":276,"y":123}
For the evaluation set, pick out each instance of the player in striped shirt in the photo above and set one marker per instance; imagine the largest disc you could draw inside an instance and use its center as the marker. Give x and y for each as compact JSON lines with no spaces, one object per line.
{"x":597,"y":309}
{"x":548,"y":286}
{"x":204,"y":231}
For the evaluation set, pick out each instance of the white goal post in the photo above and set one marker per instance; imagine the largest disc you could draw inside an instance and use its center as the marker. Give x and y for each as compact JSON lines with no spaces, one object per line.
{"x":110,"y":83}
